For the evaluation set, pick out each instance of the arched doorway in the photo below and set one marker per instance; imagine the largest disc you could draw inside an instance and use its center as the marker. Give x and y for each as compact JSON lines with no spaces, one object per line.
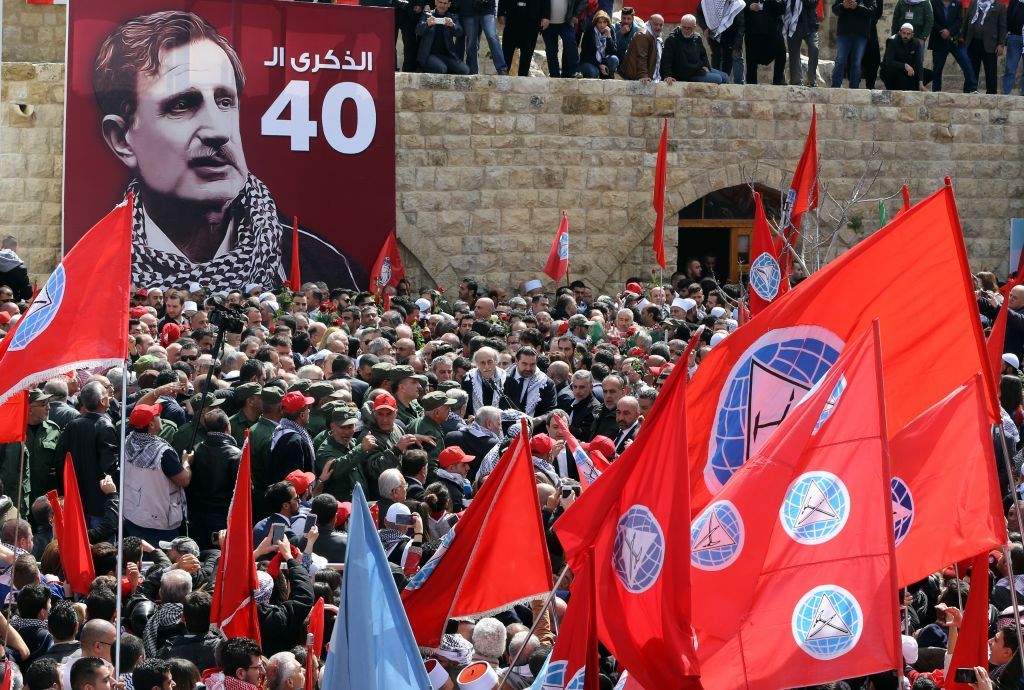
{"x":715,"y":230}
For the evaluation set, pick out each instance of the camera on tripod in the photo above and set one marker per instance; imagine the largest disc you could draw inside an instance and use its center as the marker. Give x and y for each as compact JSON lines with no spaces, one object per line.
{"x":226,"y":317}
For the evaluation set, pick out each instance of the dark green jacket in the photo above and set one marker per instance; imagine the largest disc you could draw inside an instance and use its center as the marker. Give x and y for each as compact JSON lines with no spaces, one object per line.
{"x":348,"y":471}
{"x":42,"y":446}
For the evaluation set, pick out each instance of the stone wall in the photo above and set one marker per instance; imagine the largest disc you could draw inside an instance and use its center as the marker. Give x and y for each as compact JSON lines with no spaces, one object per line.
{"x":486,"y":164}
{"x":33,"y":33}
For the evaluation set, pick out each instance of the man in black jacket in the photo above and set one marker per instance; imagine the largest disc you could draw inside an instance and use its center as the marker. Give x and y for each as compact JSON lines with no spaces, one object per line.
{"x":214,"y":470}
{"x":331,"y":543}
{"x":291,"y":448}
{"x":763,"y":39}
{"x":197,"y":644}
{"x":804,"y":31}
{"x":437,"y":32}
{"x":33,"y":610}
{"x":945,"y":41}
{"x":523,"y":20}
{"x":283,"y":606}
{"x":1014,"y":44}
{"x":903,"y":64}
{"x":684,"y":57}
{"x":92,"y":442}
{"x":13,"y":273}
{"x":855,"y":20}
{"x":584,"y":407}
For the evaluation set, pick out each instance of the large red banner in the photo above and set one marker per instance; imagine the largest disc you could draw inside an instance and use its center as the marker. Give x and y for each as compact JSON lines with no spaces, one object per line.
{"x":229,"y":118}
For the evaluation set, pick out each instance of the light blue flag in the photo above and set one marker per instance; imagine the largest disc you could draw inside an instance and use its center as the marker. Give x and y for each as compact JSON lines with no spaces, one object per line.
{"x":372,"y":646}
{"x":540,"y":682}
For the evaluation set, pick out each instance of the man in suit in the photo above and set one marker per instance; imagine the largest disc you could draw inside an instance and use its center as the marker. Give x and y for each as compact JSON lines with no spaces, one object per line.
{"x":332,"y":543}
{"x":341,"y":369}
{"x":285,"y":504}
{"x":478,"y":438}
{"x":584,"y":407}
{"x":414,"y":469}
{"x":947,"y":30}
{"x":986,"y":38}
{"x":528,"y":390}
{"x":627,"y":417}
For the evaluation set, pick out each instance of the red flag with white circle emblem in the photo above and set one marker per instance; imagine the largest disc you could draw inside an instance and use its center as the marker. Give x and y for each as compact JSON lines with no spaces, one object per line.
{"x":558,"y":258}
{"x":793,"y":564}
{"x":766,"y":279}
{"x":80,"y":316}
{"x":635,"y":519}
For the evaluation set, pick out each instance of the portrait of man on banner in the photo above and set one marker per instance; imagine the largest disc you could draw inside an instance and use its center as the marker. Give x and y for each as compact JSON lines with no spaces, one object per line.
{"x":169,"y":87}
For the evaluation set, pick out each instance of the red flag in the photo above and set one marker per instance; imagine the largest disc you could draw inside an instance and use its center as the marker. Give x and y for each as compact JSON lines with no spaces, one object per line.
{"x":558,"y":258}
{"x":766,"y":277}
{"x":803,"y":190}
{"x":574,"y":660}
{"x":587,"y":468}
{"x":316,"y":628}
{"x":751,"y":380}
{"x":388,"y":269}
{"x":631,"y":519}
{"x":295,"y":278}
{"x":820,"y":11}
{"x":233,"y":609}
{"x":906,"y":200}
{"x":660,"y":182}
{"x":14,"y":418}
{"x":73,"y":537}
{"x":794,"y":578}
{"x":498,"y":550}
{"x":53,"y":337}
{"x":58,"y":514}
{"x":972,"y":641}
{"x":950,"y":507}
{"x":996,"y":343}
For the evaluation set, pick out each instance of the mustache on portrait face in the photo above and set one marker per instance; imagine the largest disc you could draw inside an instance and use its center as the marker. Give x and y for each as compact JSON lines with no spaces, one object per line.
{"x":212,"y":155}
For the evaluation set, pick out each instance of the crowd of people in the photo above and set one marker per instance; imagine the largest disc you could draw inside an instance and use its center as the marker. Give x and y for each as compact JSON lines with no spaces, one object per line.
{"x":414,"y":403}
{"x":444,"y":37}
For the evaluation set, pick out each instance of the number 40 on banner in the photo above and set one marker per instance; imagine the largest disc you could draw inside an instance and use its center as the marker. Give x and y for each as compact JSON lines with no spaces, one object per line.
{"x":300,"y":129}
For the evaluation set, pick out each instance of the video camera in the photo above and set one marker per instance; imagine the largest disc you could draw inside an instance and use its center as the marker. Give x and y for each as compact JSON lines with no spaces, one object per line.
{"x":227,"y":317}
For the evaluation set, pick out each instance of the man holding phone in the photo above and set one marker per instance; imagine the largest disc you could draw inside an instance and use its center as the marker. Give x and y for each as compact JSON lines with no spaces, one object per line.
{"x":284,"y":501}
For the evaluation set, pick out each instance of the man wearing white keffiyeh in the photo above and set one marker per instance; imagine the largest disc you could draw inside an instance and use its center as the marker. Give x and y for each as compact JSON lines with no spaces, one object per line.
{"x":800,"y":25}
{"x":722,"y":23}
{"x":485,"y":380}
{"x":985,"y":39}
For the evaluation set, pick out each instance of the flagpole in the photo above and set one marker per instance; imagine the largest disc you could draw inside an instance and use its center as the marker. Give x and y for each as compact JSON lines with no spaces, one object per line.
{"x":120,"y":517}
{"x":536,"y":622}
{"x":1006,"y":550}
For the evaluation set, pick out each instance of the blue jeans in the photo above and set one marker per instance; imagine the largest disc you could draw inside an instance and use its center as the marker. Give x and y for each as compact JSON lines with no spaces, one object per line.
{"x":959,"y":54}
{"x":1014,"y":44}
{"x":570,"y":58}
{"x":592,"y":71}
{"x":712,"y":77}
{"x":472,"y":26}
{"x":849,"y":51}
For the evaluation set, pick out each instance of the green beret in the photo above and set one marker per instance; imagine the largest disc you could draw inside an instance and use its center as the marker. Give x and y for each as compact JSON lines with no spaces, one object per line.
{"x":247,"y":390}
{"x":38,"y":395}
{"x":272,"y":395}
{"x":448,"y":385}
{"x":344,"y":416}
{"x":211,"y":401}
{"x":400,"y":373}
{"x":319,"y":390}
{"x":432,"y":401}
{"x":300,"y":385}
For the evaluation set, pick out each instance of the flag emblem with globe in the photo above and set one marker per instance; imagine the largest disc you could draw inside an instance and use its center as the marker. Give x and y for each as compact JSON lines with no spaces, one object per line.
{"x":554,"y":678}
{"x":42,"y":310}
{"x":765,"y":276}
{"x":716,"y":537}
{"x":902,"y":509}
{"x":639,"y":549}
{"x":768,"y":380}
{"x":827,"y":622}
{"x":830,"y":404}
{"x":385,"y":272}
{"x":578,"y":680}
{"x":424,"y":573}
{"x":815,"y":508}
{"x":563,"y":246}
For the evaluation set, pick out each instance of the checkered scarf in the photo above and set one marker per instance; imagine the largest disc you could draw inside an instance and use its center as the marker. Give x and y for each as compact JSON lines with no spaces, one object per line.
{"x":255,"y":257}
{"x":166,"y":616}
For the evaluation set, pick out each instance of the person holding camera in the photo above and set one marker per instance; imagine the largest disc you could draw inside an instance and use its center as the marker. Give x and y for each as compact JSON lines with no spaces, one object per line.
{"x":437,"y":32}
